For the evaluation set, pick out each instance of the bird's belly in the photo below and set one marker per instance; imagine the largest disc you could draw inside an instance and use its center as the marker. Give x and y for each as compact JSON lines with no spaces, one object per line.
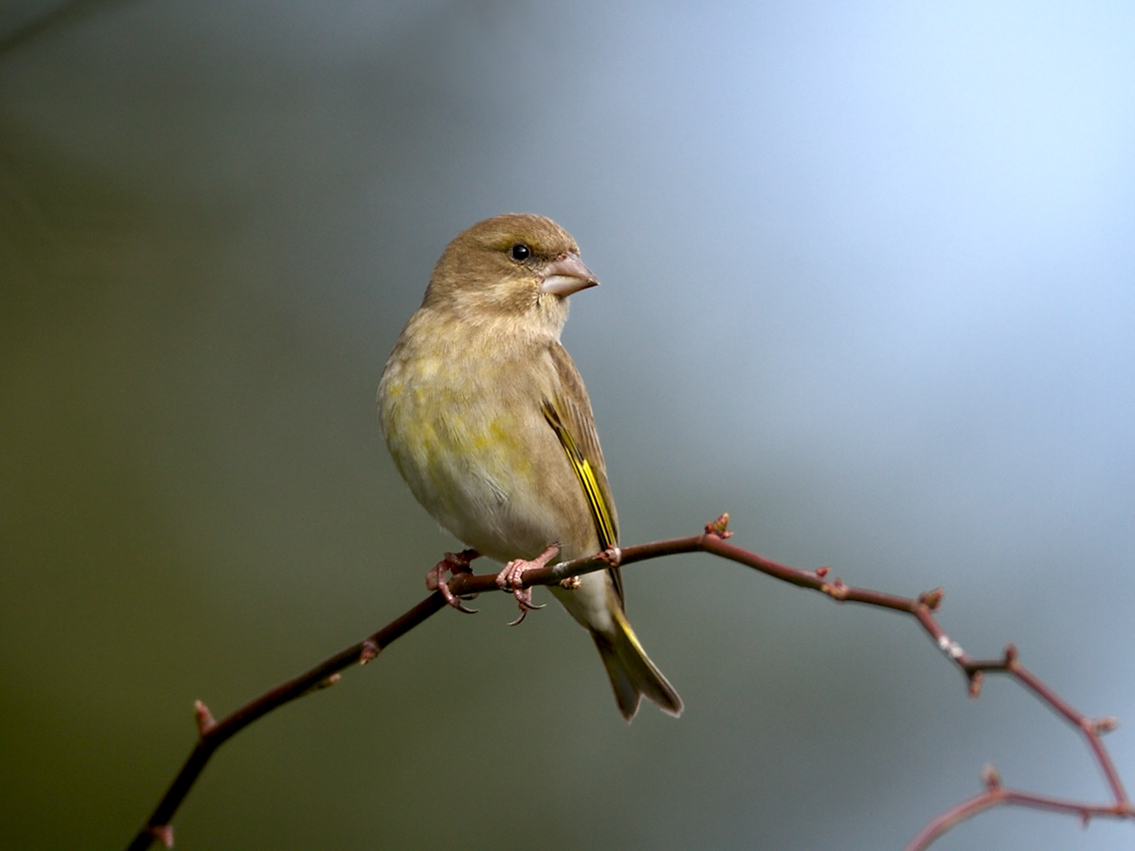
{"x":469,"y":469}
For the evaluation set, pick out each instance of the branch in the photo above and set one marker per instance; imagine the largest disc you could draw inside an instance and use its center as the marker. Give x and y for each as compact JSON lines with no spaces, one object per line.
{"x":212,"y":734}
{"x":997,"y":795}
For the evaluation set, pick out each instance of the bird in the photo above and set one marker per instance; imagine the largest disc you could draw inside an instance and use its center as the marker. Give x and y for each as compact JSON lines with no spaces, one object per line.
{"x":487,"y":419}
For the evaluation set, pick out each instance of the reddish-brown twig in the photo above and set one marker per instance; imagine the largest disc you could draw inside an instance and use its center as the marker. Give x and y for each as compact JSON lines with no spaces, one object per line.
{"x":212,"y":734}
{"x":996,"y":795}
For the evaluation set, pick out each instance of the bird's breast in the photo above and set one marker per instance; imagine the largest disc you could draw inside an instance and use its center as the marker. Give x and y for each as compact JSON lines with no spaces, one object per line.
{"x":468,"y":442}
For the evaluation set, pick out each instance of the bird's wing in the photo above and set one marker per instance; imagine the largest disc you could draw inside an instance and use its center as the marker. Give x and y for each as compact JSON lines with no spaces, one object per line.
{"x":569,"y":415}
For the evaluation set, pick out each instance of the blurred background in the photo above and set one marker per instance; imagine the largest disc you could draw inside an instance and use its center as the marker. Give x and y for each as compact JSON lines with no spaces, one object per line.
{"x":868,"y":284}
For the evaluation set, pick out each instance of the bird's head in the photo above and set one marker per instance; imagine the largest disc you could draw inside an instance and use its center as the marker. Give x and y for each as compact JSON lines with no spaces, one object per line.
{"x":516,"y":268}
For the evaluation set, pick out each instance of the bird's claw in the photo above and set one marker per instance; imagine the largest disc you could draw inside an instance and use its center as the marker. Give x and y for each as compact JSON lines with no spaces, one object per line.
{"x":512,"y":579}
{"x":526,"y":606}
{"x":453,"y":563}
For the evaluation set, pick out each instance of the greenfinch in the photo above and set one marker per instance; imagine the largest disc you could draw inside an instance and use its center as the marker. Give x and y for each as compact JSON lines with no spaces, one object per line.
{"x":488,"y":421}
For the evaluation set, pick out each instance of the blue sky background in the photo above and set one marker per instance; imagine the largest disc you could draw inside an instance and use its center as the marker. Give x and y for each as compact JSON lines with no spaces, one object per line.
{"x":868,"y":284}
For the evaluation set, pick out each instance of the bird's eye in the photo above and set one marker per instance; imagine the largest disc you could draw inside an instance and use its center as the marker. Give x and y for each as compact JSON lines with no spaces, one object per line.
{"x":520,"y":251}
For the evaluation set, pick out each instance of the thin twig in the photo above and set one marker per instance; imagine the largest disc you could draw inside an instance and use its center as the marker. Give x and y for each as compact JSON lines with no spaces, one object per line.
{"x":212,"y":734}
{"x":997,"y":795}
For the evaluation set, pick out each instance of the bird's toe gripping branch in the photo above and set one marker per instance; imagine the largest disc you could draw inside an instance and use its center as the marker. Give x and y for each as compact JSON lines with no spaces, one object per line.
{"x":453,"y":563}
{"x":512,"y":579}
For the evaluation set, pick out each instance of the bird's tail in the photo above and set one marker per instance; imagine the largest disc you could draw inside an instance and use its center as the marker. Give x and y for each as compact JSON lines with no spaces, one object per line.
{"x":633,"y":675}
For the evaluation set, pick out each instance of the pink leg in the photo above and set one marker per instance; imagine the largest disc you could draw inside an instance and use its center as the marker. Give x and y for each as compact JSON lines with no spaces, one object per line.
{"x":454,"y":563}
{"x":512,"y":579}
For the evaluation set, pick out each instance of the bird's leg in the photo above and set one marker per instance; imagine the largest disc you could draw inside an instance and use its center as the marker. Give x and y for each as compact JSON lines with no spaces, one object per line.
{"x":512,"y":577}
{"x":454,"y":563}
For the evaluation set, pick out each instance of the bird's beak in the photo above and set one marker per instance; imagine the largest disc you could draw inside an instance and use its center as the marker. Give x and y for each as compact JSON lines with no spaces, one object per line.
{"x":567,"y":275}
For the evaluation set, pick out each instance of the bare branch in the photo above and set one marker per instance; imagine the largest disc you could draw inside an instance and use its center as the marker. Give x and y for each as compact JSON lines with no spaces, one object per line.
{"x":997,"y":795}
{"x":464,"y":585}
{"x":213,"y":734}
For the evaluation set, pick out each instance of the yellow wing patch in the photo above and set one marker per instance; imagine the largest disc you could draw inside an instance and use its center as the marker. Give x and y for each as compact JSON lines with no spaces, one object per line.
{"x":604,"y":525}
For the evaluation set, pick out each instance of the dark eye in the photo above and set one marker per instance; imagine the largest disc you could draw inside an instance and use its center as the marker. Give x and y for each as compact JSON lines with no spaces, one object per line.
{"x":520,"y":251}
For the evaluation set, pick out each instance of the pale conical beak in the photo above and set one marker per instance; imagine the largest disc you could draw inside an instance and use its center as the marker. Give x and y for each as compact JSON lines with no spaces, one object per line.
{"x":567,"y":275}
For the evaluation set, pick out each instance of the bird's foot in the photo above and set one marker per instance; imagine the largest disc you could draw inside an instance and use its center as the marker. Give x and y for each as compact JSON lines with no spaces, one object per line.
{"x":512,"y":579}
{"x":453,"y":563}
